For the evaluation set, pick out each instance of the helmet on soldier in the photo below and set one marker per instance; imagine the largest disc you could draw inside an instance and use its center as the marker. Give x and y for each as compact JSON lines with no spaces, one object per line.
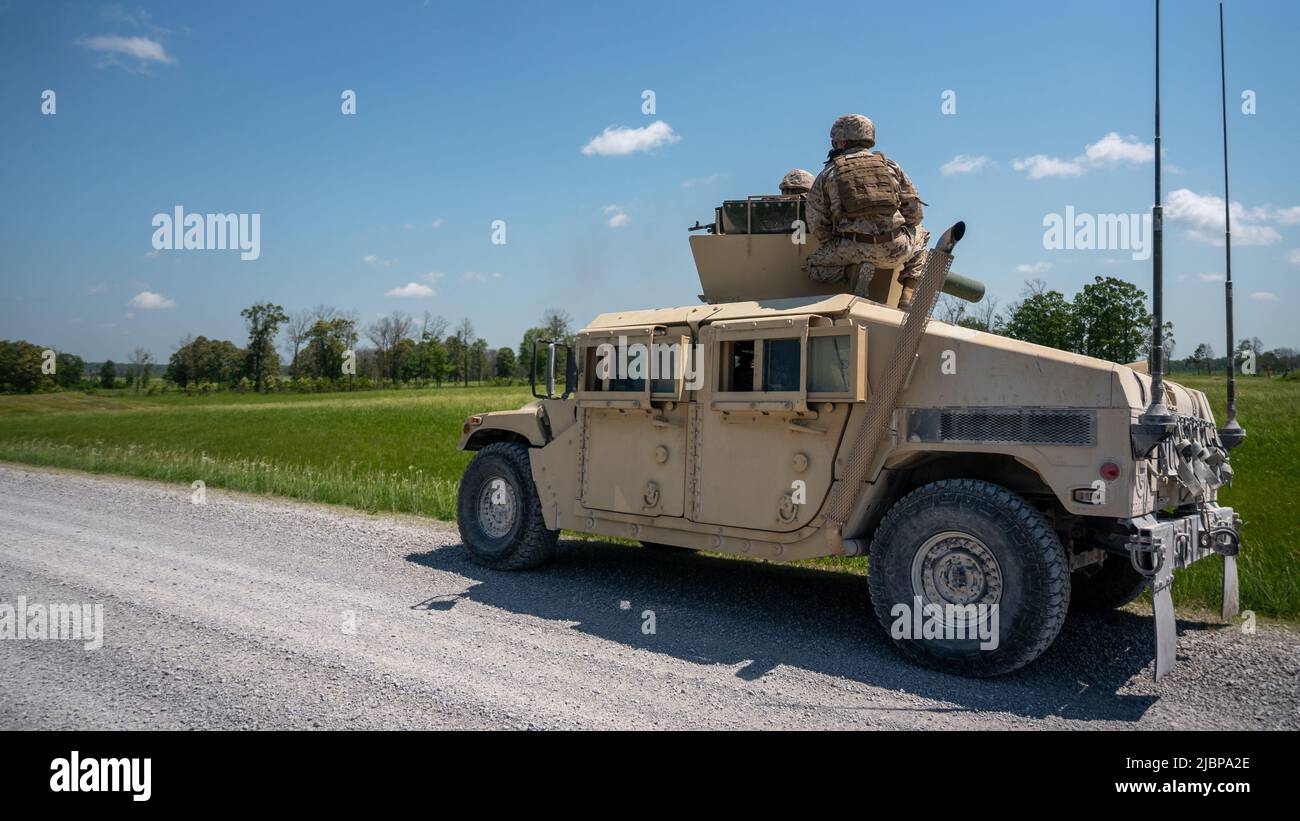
{"x":797,"y":181}
{"x":854,"y":128}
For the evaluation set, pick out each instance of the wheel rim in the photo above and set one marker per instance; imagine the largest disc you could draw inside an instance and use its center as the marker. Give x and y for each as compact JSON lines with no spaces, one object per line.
{"x":956,"y":568}
{"x":497,"y":506}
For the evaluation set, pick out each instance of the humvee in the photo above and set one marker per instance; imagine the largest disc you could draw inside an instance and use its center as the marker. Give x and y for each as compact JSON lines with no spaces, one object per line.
{"x":992,"y":483}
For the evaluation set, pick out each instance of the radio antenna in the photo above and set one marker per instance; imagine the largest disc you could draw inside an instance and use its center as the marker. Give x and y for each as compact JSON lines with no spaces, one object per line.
{"x":1157,"y":422}
{"x":1232,"y":433}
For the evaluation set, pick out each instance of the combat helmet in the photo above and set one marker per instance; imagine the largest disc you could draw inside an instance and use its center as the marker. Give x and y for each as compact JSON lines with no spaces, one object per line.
{"x":854,"y":128}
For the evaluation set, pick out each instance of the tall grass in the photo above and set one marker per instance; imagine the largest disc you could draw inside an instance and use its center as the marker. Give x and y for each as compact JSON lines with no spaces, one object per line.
{"x":389,"y":450}
{"x":408,"y":491}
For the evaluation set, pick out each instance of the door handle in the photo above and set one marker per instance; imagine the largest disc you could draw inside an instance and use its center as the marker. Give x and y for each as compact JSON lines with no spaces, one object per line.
{"x":799,"y":427}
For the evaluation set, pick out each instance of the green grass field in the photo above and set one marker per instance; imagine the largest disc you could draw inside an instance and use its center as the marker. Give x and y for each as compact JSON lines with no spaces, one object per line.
{"x":374,"y":450}
{"x":396,"y":451}
{"x":1264,"y":492}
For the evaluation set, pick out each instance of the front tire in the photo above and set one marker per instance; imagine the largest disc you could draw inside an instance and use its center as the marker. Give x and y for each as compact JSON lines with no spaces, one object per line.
{"x":962,"y":542}
{"x":498,"y":512}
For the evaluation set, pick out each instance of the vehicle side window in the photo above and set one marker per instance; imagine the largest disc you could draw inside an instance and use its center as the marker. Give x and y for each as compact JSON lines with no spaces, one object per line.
{"x":737,"y":372}
{"x":781,"y":364}
{"x":829,"y":361}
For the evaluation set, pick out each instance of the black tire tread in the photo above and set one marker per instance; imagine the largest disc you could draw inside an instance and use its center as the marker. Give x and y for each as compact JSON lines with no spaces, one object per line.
{"x":535,"y":545}
{"x":1033,"y":636}
{"x":1114,"y":585}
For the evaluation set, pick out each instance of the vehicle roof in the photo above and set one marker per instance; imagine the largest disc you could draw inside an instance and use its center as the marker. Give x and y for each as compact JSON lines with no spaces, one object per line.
{"x":823,"y":305}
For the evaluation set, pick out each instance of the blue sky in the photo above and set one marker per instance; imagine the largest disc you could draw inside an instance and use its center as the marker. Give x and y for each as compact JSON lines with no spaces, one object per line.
{"x":469,"y":113}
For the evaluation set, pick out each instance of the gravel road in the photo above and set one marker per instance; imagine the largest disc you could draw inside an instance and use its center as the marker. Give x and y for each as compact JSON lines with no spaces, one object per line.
{"x":235,"y":614}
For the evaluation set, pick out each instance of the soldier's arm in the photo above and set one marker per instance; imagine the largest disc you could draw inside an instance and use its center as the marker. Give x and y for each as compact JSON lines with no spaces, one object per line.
{"x":910,"y":205}
{"x":818,"y":211}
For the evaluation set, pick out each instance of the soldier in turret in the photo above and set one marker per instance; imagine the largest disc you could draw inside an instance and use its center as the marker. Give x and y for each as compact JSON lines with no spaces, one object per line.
{"x":796,"y":183}
{"x":865,"y":212}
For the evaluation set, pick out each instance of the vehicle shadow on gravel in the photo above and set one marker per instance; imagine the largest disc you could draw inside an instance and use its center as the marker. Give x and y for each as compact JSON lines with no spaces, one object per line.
{"x":723,"y":611}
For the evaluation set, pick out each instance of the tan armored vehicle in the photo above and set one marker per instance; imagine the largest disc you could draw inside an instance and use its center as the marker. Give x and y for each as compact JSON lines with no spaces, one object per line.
{"x":992,"y":483}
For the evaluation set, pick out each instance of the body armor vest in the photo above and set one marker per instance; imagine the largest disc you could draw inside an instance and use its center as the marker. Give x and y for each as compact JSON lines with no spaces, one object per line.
{"x":866,"y":185}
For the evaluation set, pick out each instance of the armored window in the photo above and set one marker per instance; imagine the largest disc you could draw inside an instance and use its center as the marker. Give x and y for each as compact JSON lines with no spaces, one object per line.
{"x":737,"y":371}
{"x":829,"y":361}
{"x":837,"y":363}
{"x":632,"y":367}
{"x":781,"y":361}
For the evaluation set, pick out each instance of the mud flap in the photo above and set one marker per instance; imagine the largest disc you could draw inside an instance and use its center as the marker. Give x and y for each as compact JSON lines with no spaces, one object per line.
{"x":1231,"y":591}
{"x":1153,"y":557}
{"x":1162,"y":605}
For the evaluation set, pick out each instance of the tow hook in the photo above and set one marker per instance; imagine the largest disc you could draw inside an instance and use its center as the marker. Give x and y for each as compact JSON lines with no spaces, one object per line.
{"x":1225,"y":540}
{"x":1146,"y":554}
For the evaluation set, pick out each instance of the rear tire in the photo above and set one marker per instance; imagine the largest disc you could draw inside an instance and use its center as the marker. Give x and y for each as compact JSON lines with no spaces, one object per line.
{"x":1111,"y":584}
{"x":498,"y":513}
{"x":962,"y":542}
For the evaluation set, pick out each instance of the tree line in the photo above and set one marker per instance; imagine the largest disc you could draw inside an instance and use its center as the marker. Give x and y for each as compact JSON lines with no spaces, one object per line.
{"x":1106,"y":319}
{"x":317,"y":349}
{"x":324,"y":348}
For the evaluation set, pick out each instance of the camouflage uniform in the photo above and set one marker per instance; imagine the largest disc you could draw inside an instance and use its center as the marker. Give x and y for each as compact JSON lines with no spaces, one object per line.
{"x":796,"y":183}
{"x":840,"y":253}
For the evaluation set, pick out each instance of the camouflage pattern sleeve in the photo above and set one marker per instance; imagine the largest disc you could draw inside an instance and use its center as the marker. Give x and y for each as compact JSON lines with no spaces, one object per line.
{"x":818,"y":209}
{"x":910,"y":207}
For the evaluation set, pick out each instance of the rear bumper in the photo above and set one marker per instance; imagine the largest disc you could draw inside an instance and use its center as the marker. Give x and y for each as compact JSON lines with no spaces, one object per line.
{"x":1159,"y":545}
{"x":1162,"y":543}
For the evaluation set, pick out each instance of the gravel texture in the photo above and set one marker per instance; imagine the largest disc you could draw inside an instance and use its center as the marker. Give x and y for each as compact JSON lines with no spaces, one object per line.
{"x":232,"y":614}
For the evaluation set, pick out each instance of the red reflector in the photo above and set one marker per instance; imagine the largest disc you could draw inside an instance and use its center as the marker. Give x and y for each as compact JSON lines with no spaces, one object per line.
{"x":466,"y":427}
{"x":1110,"y":471}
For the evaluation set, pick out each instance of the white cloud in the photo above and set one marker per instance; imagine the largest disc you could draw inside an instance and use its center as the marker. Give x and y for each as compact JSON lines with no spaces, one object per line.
{"x":1035,"y":268}
{"x":432,"y":276}
{"x":1110,"y":150}
{"x":479,"y":276}
{"x":1041,"y":165}
{"x":964,"y":164}
{"x":1294,"y":257}
{"x":412,"y":290}
{"x":150,"y":301}
{"x":438,"y":223}
{"x":618,"y":140}
{"x":1265,"y":296}
{"x":1287,"y":216}
{"x":141,"y":48}
{"x":376,"y":260}
{"x":1113,"y":149}
{"x":617,"y":216}
{"x":1203,"y":215}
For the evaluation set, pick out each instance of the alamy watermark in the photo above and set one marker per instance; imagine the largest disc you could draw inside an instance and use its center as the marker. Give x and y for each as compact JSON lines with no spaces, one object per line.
{"x":53,"y":622}
{"x":946,"y":622}
{"x":654,"y":361}
{"x":128,"y":775}
{"x":1098,"y":232}
{"x":180,"y":231}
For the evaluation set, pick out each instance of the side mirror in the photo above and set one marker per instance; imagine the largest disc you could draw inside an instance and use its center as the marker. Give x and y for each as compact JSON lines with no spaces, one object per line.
{"x":570,"y":369}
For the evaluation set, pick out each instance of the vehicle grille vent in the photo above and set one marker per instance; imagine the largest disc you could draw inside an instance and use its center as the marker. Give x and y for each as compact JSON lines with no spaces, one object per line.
{"x":1023,"y":426}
